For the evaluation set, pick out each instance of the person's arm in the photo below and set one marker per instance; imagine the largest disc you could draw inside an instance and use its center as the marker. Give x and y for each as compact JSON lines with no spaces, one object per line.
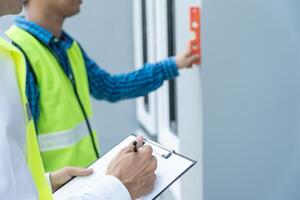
{"x":140,"y":82}
{"x":106,"y":188}
{"x":137,"y":83}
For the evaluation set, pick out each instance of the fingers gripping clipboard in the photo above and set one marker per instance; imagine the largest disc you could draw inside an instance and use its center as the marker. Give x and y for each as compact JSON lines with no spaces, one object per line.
{"x":170,"y":167}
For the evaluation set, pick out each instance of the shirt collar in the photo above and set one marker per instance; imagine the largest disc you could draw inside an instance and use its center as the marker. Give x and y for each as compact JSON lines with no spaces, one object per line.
{"x":43,"y":34}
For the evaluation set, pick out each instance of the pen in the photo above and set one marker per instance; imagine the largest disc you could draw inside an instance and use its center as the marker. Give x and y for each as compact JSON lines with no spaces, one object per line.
{"x":135,"y":146}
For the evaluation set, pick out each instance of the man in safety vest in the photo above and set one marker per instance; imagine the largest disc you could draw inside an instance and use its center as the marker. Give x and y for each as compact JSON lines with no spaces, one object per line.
{"x":123,"y":181}
{"x":61,"y":77}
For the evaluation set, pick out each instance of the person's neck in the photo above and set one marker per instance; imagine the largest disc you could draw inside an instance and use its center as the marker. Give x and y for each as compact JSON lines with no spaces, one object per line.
{"x":51,"y":22}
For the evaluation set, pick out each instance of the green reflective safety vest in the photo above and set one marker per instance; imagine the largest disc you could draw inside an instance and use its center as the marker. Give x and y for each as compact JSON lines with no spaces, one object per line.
{"x":63,"y":135}
{"x":33,"y":157}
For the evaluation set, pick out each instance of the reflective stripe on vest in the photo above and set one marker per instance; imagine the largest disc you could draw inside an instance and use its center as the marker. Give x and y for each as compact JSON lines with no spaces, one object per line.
{"x":62,"y":139}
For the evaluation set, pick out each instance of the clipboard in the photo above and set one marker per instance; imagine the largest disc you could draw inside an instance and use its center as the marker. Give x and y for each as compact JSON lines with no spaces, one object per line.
{"x":170,"y":167}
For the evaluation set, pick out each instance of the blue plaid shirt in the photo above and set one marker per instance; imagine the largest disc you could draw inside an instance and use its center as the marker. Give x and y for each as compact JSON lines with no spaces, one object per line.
{"x":102,"y":84}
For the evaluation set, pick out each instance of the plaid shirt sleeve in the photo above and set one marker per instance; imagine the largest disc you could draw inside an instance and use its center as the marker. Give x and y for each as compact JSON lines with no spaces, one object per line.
{"x":124,"y":86}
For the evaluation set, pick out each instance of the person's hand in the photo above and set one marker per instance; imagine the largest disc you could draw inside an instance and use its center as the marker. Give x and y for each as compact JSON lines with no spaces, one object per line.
{"x":60,"y":177}
{"x":136,"y":170}
{"x":186,"y":59}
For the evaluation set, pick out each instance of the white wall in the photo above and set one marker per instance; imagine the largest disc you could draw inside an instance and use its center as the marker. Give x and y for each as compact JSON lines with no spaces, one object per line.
{"x":104,"y":29}
{"x":251,"y":79}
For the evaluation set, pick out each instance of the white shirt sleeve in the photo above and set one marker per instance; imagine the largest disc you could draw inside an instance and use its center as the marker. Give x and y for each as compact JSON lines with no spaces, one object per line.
{"x":106,"y":188}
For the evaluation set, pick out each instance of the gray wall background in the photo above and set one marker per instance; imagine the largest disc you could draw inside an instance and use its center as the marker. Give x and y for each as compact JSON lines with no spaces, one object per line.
{"x":104,"y":29}
{"x":251,"y":78}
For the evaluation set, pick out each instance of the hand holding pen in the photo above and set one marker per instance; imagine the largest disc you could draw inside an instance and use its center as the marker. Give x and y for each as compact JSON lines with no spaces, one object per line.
{"x":127,"y":165}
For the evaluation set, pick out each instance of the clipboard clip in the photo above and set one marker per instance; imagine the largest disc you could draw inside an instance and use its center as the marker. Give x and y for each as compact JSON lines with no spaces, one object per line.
{"x":165,"y":155}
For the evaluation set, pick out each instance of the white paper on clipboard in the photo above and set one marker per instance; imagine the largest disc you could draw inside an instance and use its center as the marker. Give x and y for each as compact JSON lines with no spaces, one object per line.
{"x":170,"y":167}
